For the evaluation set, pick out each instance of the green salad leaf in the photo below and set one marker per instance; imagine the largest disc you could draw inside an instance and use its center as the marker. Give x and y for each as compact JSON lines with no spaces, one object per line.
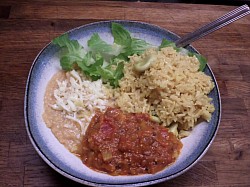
{"x":101,"y":60}
{"x":121,"y":35}
{"x":130,"y":45}
{"x":167,"y":43}
{"x":96,"y":44}
{"x":73,"y":52}
{"x":202,"y":60}
{"x":138,"y":46}
{"x":111,"y":75}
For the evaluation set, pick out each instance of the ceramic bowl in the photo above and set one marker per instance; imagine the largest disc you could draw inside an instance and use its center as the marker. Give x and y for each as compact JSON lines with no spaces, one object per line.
{"x":60,"y":159}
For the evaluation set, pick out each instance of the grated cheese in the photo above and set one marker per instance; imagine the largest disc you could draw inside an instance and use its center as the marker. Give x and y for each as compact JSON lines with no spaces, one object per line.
{"x":78,"y":98}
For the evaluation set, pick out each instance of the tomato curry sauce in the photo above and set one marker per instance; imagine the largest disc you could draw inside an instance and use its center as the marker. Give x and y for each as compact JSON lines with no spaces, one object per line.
{"x":121,"y":143}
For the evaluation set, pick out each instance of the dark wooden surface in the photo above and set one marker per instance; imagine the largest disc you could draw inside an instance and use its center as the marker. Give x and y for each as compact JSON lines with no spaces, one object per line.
{"x":27,"y":26}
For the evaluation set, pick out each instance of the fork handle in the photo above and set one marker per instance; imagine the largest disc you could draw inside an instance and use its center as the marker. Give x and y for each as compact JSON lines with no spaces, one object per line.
{"x":224,"y":20}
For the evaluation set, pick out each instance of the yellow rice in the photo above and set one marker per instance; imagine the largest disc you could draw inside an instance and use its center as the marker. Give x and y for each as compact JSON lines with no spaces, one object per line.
{"x":172,"y":89}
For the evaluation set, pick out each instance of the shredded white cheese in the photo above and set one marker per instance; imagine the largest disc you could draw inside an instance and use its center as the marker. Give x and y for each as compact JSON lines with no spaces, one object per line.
{"x":78,"y":98}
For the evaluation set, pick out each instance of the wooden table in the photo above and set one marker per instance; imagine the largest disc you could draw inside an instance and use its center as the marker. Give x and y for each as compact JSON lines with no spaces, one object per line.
{"x":27,"y":26}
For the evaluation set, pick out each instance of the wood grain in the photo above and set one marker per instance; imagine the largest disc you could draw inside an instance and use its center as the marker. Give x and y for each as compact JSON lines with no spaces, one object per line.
{"x":28,"y":25}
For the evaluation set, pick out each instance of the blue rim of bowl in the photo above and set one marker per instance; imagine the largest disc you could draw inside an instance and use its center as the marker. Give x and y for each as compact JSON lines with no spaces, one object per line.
{"x":173,"y":37}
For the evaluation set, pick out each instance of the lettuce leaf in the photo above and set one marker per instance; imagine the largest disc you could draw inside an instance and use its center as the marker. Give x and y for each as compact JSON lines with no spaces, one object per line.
{"x":130,"y":45}
{"x":73,"y":52}
{"x":138,"y":46}
{"x":97,"y":45}
{"x":202,"y":60}
{"x":121,"y":35}
{"x":167,"y":43}
{"x":110,"y":75}
{"x":92,"y":63}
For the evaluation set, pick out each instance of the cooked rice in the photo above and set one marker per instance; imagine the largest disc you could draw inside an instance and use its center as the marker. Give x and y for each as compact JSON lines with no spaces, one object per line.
{"x":172,"y":89}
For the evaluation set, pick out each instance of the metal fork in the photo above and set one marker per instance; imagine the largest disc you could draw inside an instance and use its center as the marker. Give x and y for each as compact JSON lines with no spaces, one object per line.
{"x":213,"y":26}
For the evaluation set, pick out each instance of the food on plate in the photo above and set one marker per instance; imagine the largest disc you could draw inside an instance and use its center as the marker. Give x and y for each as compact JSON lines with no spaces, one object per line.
{"x":121,"y":143}
{"x":171,"y":89}
{"x":153,"y":92}
{"x":69,"y":103}
{"x":65,"y":130}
